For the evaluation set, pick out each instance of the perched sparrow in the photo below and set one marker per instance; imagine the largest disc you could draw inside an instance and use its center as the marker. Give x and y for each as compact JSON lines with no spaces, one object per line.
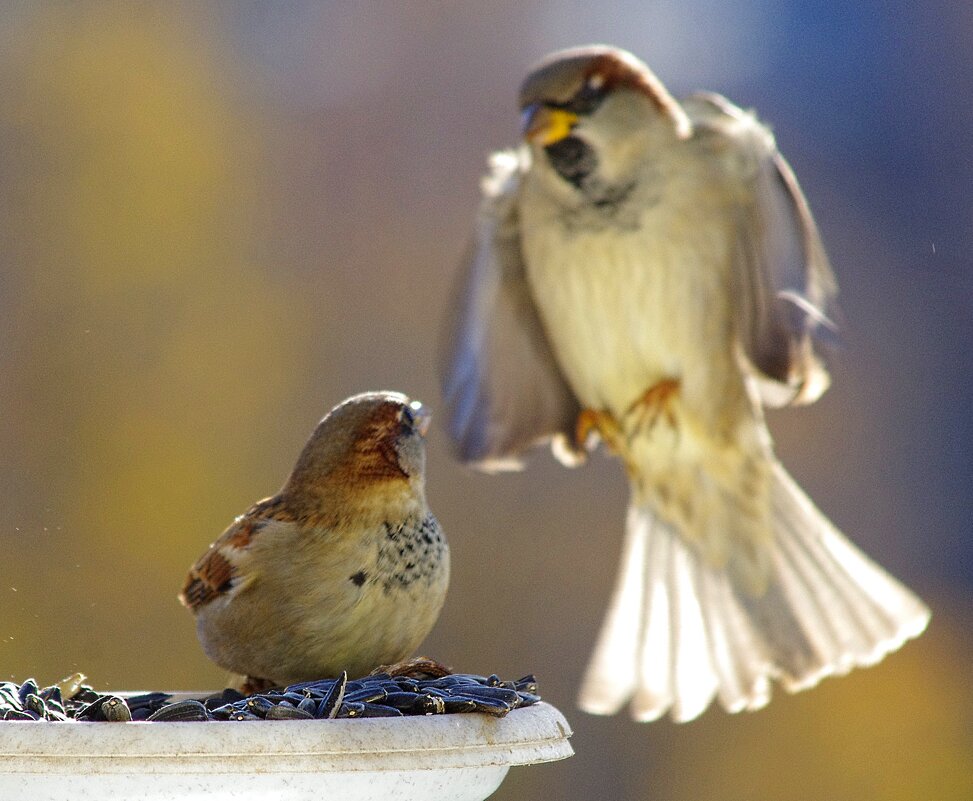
{"x":648,"y":271}
{"x":344,"y":569}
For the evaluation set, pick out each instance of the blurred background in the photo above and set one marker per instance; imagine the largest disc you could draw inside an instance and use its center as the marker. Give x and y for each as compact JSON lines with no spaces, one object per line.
{"x":218,"y":220}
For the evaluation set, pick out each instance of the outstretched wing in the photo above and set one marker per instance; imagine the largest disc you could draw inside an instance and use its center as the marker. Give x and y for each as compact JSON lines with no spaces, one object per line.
{"x":784,"y":287}
{"x":502,"y":387}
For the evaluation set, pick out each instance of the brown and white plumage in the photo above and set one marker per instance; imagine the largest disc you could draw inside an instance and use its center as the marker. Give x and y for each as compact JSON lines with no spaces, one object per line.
{"x":649,"y":270}
{"x":344,"y":569}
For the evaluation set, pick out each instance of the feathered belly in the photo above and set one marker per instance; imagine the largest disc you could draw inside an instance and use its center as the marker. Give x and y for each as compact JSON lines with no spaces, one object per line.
{"x":624,"y":312}
{"x":641,"y":328}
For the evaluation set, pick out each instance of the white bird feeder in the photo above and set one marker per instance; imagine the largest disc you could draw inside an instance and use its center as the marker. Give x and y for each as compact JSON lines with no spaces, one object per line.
{"x":459,"y":757}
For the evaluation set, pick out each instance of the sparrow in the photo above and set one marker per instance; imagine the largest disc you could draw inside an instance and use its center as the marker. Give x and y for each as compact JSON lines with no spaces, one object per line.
{"x":344,"y":569}
{"x":645,"y":272}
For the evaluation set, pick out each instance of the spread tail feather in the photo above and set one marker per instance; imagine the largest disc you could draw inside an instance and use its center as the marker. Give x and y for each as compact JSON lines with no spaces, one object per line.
{"x":679,"y":632}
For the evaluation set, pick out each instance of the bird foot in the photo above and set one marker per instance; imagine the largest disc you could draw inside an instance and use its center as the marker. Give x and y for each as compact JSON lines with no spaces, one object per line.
{"x":596,"y":422}
{"x":249,"y":685}
{"x":419,"y":667}
{"x":655,"y":403}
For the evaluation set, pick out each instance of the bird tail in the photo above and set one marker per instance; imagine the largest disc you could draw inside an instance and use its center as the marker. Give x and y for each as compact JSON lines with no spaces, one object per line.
{"x":680,"y":631}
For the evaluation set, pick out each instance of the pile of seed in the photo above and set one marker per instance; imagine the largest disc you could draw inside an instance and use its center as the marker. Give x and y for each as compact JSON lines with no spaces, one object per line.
{"x":379,"y":695}
{"x":27,"y":701}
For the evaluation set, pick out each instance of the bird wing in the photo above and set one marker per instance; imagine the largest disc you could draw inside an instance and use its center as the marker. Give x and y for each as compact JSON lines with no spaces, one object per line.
{"x":226,"y":567}
{"x":784,"y":287}
{"x":211,"y":577}
{"x":502,"y":387}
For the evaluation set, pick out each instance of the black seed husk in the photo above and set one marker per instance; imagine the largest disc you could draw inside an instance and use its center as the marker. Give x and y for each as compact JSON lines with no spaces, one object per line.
{"x":379,"y":695}
{"x":181,"y":711}
{"x":379,"y":711}
{"x":115,"y":710}
{"x":332,"y":700}
{"x":287,"y":713}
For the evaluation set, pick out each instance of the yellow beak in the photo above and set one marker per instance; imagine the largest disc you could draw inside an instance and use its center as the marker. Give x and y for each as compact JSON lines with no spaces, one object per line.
{"x":546,"y":125}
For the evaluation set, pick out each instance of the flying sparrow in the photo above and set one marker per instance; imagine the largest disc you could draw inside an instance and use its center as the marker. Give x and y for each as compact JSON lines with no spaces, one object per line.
{"x":646,"y":271}
{"x":344,"y":569}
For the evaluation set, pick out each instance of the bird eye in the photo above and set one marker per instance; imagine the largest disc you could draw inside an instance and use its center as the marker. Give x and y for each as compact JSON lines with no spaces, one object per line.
{"x":416,"y":417}
{"x":595,"y":83}
{"x":589,"y":96}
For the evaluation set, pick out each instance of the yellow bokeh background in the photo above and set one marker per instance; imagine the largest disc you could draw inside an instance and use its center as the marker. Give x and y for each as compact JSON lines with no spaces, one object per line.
{"x":219,"y":220}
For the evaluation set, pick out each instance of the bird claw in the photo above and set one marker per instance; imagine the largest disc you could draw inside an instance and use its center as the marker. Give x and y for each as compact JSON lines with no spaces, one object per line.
{"x":656,"y":402}
{"x":252,"y":684}
{"x":419,"y":667}
{"x":597,"y":423}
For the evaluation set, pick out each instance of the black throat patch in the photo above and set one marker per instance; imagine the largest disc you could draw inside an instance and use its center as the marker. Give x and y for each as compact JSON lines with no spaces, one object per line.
{"x":576,"y":162}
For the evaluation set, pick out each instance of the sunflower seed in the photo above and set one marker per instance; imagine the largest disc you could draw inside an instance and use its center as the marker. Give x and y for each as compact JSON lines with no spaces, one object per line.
{"x":379,"y":711}
{"x":331,"y":703}
{"x":17,"y":714}
{"x":379,"y":695}
{"x":367,"y":695}
{"x":69,"y":685}
{"x":92,"y":711}
{"x":116,"y":710}
{"x":34,"y":703}
{"x":350,"y":710}
{"x":287,"y":713}
{"x":29,"y":687}
{"x":509,"y":697}
{"x":242,"y":714}
{"x":434,"y":705}
{"x":460,"y":704}
{"x":490,"y":706}
{"x":257,"y":705}
{"x":181,"y":711}
{"x":52,"y":694}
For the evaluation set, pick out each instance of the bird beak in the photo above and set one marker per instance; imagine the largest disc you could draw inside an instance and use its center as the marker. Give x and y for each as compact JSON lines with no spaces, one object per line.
{"x":545,"y":124}
{"x":422,"y":416}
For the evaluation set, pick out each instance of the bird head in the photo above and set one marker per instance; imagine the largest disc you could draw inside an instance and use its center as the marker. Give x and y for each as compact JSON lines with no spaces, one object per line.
{"x":369,"y":446}
{"x":592,"y":115}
